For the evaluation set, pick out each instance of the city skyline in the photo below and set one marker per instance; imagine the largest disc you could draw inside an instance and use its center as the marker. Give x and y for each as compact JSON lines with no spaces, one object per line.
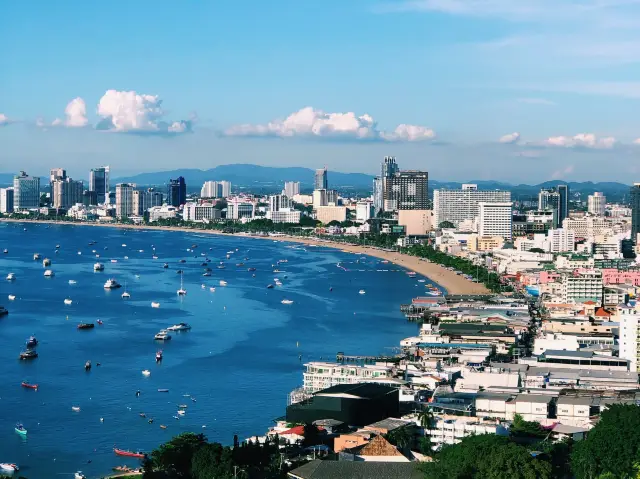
{"x":522,"y":94}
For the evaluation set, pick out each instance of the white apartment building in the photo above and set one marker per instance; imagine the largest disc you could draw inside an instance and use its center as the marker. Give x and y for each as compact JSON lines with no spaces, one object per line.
{"x":448,"y":430}
{"x":124,"y":200}
{"x":596,"y":204}
{"x":574,"y":262}
{"x":628,"y":339}
{"x":215,"y":189}
{"x":495,"y":219}
{"x":285,"y":215}
{"x":201,"y":213}
{"x":618,"y":211}
{"x":588,"y":226}
{"x":364,"y":211}
{"x":291,"y":188}
{"x":321,"y":375}
{"x":539,"y":240}
{"x":460,"y":205}
{"x":6,"y":200}
{"x":238,"y":208}
{"x":26,"y":192}
{"x":279,"y":202}
{"x":162,"y":212}
{"x":320,"y":198}
{"x":561,"y":240}
{"x":582,"y":286}
{"x":327,"y":214}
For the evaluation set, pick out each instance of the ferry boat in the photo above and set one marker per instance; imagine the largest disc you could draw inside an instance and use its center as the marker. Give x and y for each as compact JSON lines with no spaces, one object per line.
{"x":11,"y":277}
{"x":111,"y":284}
{"x":179,"y":327}
{"x":98,"y":267}
{"x":163,"y":335}
{"x":122,"y":452}
{"x":28,"y":354}
{"x":49,"y":273}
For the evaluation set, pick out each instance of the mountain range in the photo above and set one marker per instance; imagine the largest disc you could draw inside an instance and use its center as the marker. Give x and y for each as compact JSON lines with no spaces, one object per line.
{"x":264,"y":179}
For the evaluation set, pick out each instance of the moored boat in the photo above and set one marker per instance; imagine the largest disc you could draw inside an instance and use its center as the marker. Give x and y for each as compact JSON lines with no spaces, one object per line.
{"x":98,"y":267}
{"x":8,"y":467}
{"x":20,"y":429}
{"x":68,"y":301}
{"x":159,"y":355}
{"x":32,"y":342}
{"x":11,"y":277}
{"x":111,"y":284}
{"x":155,"y":305}
{"x":49,"y":273}
{"x":179,"y":327}
{"x":29,"y":386}
{"x":122,"y":452}
{"x":28,"y":354}
{"x":86,"y":326}
{"x":163,"y":335}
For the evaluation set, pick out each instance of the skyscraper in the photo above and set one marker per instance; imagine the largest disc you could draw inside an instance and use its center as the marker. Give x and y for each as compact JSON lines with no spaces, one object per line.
{"x":138,"y":206}
{"x":596,"y":204}
{"x":410,"y":190}
{"x":26,"y":192}
{"x":124,"y":200}
{"x":225,"y":187}
{"x":389,"y":167}
{"x":177,"y":192}
{"x":153,"y":198}
{"x":635,"y":212}
{"x":378,"y":196}
{"x":66,"y":192}
{"x":6,"y":200}
{"x":291,"y":188}
{"x":460,"y":205}
{"x":557,"y":200}
{"x":99,"y":182}
{"x":321,"y":182}
{"x":563,"y":205}
{"x":495,"y":219}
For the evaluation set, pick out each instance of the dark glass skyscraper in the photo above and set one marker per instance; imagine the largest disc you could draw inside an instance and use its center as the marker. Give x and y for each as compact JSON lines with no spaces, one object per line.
{"x":320,"y":181}
{"x":563,"y":203}
{"x":410,"y":190}
{"x":99,"y":182}
{"x":177,"y":192}
{"x":635,"y":211}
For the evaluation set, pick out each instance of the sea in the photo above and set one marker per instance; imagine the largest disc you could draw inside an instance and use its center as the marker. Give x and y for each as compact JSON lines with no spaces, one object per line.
{"x":233,"y":370}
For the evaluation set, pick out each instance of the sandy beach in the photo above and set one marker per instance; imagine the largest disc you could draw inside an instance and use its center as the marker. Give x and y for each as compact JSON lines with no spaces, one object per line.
{"x":453,"y":283}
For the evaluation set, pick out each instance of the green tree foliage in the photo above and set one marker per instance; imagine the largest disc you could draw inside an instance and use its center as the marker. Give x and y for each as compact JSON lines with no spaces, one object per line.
{"x":522,"y":428}
{"x":536,"y":250}
{"x":487,"y":457}
{"x":401,"y":437}
{"x":174,"y":457}
{"x":311,"y":435}
{"x":212,"y":460}
{"x":446,"y":224}
{"x":612,"y":446}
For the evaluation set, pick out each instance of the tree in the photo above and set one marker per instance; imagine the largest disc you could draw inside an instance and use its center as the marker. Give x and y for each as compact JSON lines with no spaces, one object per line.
{"x":212,"y":460}
{"x":487,"y":456}
{"x":446,"y":224}
{"x":175,"y":456}
{"x":401,"y":437}
{"x":522,"y":428}
{"x":536,"y":250}
{"x":612,"y":446}
{"x":311,"y":435}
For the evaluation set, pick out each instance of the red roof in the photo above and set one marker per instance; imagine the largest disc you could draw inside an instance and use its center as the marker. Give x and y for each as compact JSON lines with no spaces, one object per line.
{"x":602,"y":312}
{"x":589,"y":302}
{"x":298,"y":431}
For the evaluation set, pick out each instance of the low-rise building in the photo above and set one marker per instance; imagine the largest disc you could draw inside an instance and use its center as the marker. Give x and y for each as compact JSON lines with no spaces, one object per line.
{"x":327,"y":214}
{"x":285,"y":215}
{"x":162,"y":212}
{"x":201,"y":212}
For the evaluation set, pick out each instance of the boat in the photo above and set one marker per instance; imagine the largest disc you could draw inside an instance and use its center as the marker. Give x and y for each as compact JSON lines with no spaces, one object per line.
{"x":111,"y":284}
{"x":163,"y":390}
{"x":182,"y":291}
{"x":98,"y":267}
{"x":362,"y":291}
{"x":29,"y":386}
{"x":75,"y":408}
{"x":162,"y":426}
{"x":11,"y":277}
{"x":155,"y":305}
{"x":28,"y":354}
{"x":411,"y":274}
{"x":270,"y":286}
{"x":20,"y":429}
{"x":162,"y":335}
{"x":220,"y":266}
{"x":87,"y":366}
{"x":32,"y":342}
{"x":154,"y":257}
{"x":182,"y":406}
{"x":181,"y":412}
{"x":125,"y":295}
{"x":206,"y":273}
{"x":121,"y":452}
{"x":36,"y":256}
{"x":57,"y":246}
{"x":124,"y":245}
{"x":159,"y":355}
{"x":179,"y":327}
{"x":182,"y":261}
{"x":240,"y":265}
{"x":114,"y":260}
{"x":146,"y":372}
{"x":5,"y":251}
{"x":277,"y":271}
{"x":166,"y":265}
{"x":7,"y":467}
{"x":223,"y":283}
{"x":49,"y":274}
{"x":251,"y":269}
{"x":286,"y":301}
{"x":12,"y":297}
{"x":179,"y":271}
{"x":46,"y":262}
{"x":3,"y":311}
{"x":68,"y":301}
{"x":99,"y":321}
{"x":79,"y":475}
{"x":72,"y":281}
{"x":86,"y":326}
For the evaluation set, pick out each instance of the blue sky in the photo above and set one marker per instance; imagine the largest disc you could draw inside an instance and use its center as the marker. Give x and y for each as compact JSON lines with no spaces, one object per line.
{"x":521,"y":91}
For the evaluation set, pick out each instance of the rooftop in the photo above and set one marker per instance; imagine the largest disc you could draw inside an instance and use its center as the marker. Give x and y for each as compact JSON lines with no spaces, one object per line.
{"x":356,"y":470}
{"x":361,"y":390}
{"x":536,"y":398}
{"x":389,"y":424}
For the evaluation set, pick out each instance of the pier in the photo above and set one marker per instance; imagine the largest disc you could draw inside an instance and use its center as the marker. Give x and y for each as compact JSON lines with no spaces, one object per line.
{"x":345,"y":358}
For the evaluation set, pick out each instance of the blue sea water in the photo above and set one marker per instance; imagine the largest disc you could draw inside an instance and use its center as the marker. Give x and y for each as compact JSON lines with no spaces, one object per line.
{"x":239,"y":361}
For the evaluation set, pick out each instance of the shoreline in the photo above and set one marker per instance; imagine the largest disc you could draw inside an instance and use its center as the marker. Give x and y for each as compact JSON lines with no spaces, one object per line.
{"x":451,"y":282}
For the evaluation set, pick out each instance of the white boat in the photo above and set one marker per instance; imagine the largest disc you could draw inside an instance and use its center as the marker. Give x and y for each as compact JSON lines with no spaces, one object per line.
{"x":146,"y":372}
{"x":68,"y":301}
{"x":75,"y":408}
{"x":98,"y":267}
{"x":12,"y":297}
{"x":79,"y":475}
{"x":124,"y":245}
{"x":125,"y":295}
{"x":36,"y":256}
{"x":163,"y":335}
{"x":111,"y":284}
{"x":5,"y":251}
{"x":223,"y":282}
{"x":72,"y":281}
{"x":126,"y":257}
{"x":179,"y":327}
{"x":79,"y":252}
{"x":155,"y":305}
{"x":203,"y":286}
{"x":46,"y":262}
{"x":362,"y":291}
{"x":11,"y":277}
{"x":286,"y":301}
{"x":48,"y":273}
{"x":114,"y":260}
{"x":181,"y":412}
{"x":212,"y":289}
{"x":6,"y":467}
{"x":181,"y":291}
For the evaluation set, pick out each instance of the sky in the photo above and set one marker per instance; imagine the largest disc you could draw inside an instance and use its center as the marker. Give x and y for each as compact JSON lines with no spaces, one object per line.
{"x":521,"y":91}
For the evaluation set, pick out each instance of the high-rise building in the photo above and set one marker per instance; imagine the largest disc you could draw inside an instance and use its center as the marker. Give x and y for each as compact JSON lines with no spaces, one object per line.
{"x":55,"y":174}
{"x":582,"y":286}
{"x":635,"y":211}
{"x":461,"y":205}
{"x":279,"y":202}
{"x":26,"y":192}
{"x":378,"y":195}
{"x":388,"y":170}
{"x":319,"y":198}
{"x":561,"y":240}
{"x":628,"y":337}
{"x":153,"y":198}
{"x":66,"y":192}
{"x":225,"y":187}
{"x":563,"y":205}
{"x":557,"y":200}
{"x":237,"y":208}
{"x":99,"y":182}
{"x":410,"y":190}
{"x":211,"y":189}
{"x":364,"y":211}
{"x":291,"y":188}
{"x":6,"y":200}
{"x":321,"y":182}
{"x":495,"y":219}
{"x":89,"y":198}
{"x":389,"y":167}
{"x":138,"y":197}
{"x":124,"y":200}
{"x":596,"y":204}
{"x":177,"y":192}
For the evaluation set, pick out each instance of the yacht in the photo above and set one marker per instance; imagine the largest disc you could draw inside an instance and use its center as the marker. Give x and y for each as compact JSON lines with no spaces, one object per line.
{"x":79,"y":475}
{"x":181,"y":291}
{"x":212,"y":289}
{"x":10,"y":468}
{"x":32,"y":342}
{"x":36,"y":256}
{"x":155,"y":305}
{"x":146,"y":372}
{"x":179,"y":327}
{"x":98,"y":267}
{"x":72,"y":281}
{"x":270,"y":286}
{"x":286,"y":301}
{"x":362,"y":291}
{"x":46,"y":262}
{"x":163,"y":335}
{"x":111,"y":284}
{"x":11,"y":277}
{"x":48,"y":273}
{"x":28,"y":354}
{"x":68,"y":301}
{"x":57,"y":246}
{"x":125,"y":295}
{"x":114,"y":260}
{"x":5,"y":251}
{"x":223,"y":283}
{"x":12,"y":297}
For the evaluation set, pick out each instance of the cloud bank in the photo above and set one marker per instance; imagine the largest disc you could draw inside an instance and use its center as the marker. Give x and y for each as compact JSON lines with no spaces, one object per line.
{"x":75,"y":115}
{"x":4,"y":119}
{"x":310,"y":122}
{"x":510,"y":138}
{"x":581,"y":140}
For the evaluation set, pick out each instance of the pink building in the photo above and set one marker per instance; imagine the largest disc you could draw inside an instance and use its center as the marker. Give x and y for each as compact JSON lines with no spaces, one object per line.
{"x":549,"y":277}
{"x":614,"y":276}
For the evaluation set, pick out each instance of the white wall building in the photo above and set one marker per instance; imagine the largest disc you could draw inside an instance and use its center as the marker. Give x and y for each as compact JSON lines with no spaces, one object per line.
{"x":495,"y":219}
{"x":364,"y":211}
{"x":596,"y":204}
{"x":588,"y":226}
{"x":162,"y":212}
{"x":279,"y":202}
{"x":124,"y":200}
{"x":215,"y":189}
{"x":582,"y":286}
{"x":561,"y":240}
{"x":201,"y":213}
{"x":327,"y":214}
{"x":628,"y":339}
{"x":320,"y":375}
{"x":285,"y":215}
{"x":291,"y":188}
{"x":320,"y":198}
{"x":238,"y":208}
{"x":448,"y":430}
{"x":459,"y":205}
{"x":6,"y":200}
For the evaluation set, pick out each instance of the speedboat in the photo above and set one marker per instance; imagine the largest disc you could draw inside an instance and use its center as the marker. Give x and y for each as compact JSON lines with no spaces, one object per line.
{"x":20,"y":429}
{"x":98,"y":267}
{"x":206,"y":273}
{"x":166,"y":265}
{"x":36,"y":256}
{"x":28,"y":354}
{"x":179,"y":327}
{"x":5,"y":251}
{"x":11,"y":277}
{"x":10,"y":468}
{"x":362,"y":291}
{"x":46,"y":262}
{"x":223,"y":283}
{"x":111,"y":284}
{"x":159,"y":355}
{"x":163,"y":335}
{"x":68,"y":301}
{"x":79,"y":475}
{"x":12,"y":297}
{"x":72,"y":281}
{"x":75,"y":408}
{"x":49,"y":273}
{"x":114,"y":260}
{"x":87,"y":366}
{"x":270,"y":286}
{"x":182,"y":261}
{"x":57,"y":246}
{"x":182,"y":292}
{"x":181,"y":412}
{"x":126,"y":295}
{"x":146,"y":372}
{"x":121,"y":452}
{"x":32,"y":342}
{"x":251,"y":269}
{"x":155,"y":305}
{"x":286,"y":301}
{"x":99,"y":321}
{"x":212,"y":289}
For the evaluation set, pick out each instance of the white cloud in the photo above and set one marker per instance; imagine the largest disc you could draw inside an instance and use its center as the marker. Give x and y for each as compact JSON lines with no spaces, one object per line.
{"x":536,"y":101}
{"x":311,"y":122}
{"x":4,"y":119}
{"x":510,"y":138}
{"x":76,"y":113}
{"x":581,"y":140}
